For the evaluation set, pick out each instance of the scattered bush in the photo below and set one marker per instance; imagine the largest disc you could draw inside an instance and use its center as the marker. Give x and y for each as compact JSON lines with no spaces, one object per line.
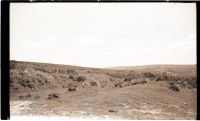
{"x":111,"y":110}
{"x":30,"y":85}
{"x":143,"y":82}
{"x":173,"y":86}
{"x":93,"y":83}
{"x":52,"y":96}
{"x":25,"y":97}
{"x":192,"y":81}
{"x":171,"y":83}
{"x":27,"y":83}
{"x":128,"y":79}
{"x":71,"y":77}
{"x":80,"y":78}
{"x":134,"y":83}
{"x":29,"y":95}
{"x":119,"y":85}
{"x":149,"y":75}
{"x":23,"y":83}
{"x":159,"y":79}
{"x":139,"y":82}
{"x":21,"y":97}
{"x":72,"y":89}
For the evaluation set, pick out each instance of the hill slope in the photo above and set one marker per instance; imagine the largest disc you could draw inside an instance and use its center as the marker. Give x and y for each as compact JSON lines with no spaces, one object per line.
{"x":153,"y":92}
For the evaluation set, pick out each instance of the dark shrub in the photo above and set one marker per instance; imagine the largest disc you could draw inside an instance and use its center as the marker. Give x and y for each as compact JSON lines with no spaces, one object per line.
{"x":52,"y":96}
{"x":93,"y":83}
{"x":171,"y":83}
{"x":192,"y":82}
{"x":23,"y":83}
{"x":134,"y":83}
{"x":30,"y":85}
{"x":21,"y":97}
{"x":149,"y":75}
{"x":29,"y":95}
{"x":143,"y":82}
{"x":139,"y":82}
{"x":81,"y":78}
{"x":71,"y":77}
{"x":111,"y":110}
{"x":173,"y":86}
{"x":118,"y":84}
{"x":159,"y":79}
{"x":127,"y":79}
{"x":72,"y":89}
{"x":164,"y":76}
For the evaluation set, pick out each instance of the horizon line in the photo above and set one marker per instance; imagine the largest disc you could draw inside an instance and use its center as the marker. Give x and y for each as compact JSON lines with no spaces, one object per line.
{"x":107,"y":67}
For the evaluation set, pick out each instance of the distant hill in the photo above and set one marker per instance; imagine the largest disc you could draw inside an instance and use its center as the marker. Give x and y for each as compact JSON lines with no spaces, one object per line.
{"x":183,"y":70}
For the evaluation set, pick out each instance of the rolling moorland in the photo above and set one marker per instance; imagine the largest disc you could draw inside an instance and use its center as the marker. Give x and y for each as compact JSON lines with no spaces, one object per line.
{"x":138,"y":92}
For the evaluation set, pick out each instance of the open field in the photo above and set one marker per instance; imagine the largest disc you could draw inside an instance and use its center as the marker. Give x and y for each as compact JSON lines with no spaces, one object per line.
{"x":143,"y":92}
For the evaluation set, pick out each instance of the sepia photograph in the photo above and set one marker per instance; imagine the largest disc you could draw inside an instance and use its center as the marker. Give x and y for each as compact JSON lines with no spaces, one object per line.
{"x":115,"y":61}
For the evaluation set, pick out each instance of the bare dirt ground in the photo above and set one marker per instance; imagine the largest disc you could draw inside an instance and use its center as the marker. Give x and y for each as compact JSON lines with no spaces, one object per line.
{"x":39,"y":89}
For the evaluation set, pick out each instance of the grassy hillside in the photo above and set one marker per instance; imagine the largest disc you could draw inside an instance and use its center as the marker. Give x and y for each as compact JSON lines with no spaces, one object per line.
{"x":35,"y":76}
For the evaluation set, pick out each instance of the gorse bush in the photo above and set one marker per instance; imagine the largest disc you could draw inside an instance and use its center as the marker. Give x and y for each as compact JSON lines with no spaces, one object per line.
{"x":149,"y":75}
{"x":173,"y":86}
{"x":119,"y":84}
{"x":93,"y":83}
{"x":72,"y":89}
{"x":52,"y":96}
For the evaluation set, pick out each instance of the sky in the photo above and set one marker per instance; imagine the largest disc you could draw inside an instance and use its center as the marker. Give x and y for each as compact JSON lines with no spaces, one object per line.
{"x":103,"y":34}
